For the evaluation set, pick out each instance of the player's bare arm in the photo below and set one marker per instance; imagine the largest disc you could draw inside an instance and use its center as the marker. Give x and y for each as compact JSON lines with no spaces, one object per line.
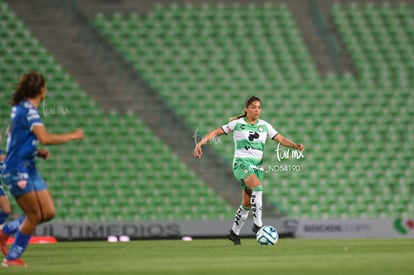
{"x":288,"y":143}
{"x":198,"y":152}
{"x":46,"y":138}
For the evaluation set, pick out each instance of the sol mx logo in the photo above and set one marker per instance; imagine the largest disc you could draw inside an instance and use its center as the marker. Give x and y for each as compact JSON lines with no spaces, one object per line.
{"x":403,"y":226}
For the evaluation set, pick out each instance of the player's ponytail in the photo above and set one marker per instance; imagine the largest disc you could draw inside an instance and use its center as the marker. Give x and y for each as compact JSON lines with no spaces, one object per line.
{"x":29,"y":86}
{"x":249,"y":101}
{"x":237,"y":117}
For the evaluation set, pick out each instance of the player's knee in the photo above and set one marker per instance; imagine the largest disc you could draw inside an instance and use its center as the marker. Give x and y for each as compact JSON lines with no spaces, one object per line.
{"x":34,"y":217}
{"x":48,"y":215}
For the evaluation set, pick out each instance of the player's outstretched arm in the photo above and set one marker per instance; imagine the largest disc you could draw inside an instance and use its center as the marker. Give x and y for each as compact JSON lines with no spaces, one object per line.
{"x":46,"y":138}
{"x":198,"y":152}
{"x":288,"y":143}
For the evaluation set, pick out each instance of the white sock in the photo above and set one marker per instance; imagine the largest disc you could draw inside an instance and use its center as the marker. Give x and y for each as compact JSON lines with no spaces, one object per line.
{"x":257,"y":207}
{"x":241,"y":216}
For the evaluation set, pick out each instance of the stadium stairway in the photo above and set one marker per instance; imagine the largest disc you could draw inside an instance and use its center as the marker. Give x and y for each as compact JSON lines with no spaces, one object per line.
{"x":322,"y":60}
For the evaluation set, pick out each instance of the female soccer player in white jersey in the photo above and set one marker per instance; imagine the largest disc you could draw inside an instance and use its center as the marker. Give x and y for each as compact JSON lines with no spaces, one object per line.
{"x":20,"y":174}
{"x":249,"y":135}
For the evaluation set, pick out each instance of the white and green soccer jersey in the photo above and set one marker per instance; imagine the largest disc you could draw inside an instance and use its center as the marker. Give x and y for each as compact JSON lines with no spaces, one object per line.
{"x":249,"y":140}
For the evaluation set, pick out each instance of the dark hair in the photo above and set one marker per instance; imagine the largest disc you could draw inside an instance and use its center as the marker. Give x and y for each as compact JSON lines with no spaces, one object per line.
{"x":29,"y":86}
{"x":249,"y":101}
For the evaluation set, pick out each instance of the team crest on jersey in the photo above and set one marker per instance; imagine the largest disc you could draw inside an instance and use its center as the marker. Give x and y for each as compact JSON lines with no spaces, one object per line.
{"x":260,"y":129}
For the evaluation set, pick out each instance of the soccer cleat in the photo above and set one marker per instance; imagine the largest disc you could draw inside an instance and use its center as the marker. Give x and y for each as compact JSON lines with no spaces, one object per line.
{"x":234,"y":238}
{"x":11,"y":263}
{"x":3,"y":242}
{"x":255,"y":228}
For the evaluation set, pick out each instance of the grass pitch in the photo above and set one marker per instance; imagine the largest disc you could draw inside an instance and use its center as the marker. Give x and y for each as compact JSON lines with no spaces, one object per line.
{"x":220,"y":257}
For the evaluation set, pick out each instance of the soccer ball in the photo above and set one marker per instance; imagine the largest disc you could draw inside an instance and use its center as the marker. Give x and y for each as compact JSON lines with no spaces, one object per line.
{"x":267,"y":235}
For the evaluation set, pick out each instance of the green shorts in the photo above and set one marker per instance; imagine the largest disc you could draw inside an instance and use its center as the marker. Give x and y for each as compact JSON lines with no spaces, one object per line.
{"x":242,"y":170}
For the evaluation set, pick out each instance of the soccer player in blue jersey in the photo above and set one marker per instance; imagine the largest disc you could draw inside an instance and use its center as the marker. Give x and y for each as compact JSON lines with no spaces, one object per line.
{"x":249,"y":135}
{"x":5,"y":209}
{"x":28,"y":188}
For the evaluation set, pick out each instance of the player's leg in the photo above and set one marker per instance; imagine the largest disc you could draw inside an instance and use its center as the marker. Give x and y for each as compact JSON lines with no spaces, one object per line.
{"x":28,"y":202}
{"x":47,"y":207}
{"x":5,"y":210}
{"x":36,"y":203}
{"x":251,"y":185}
{"x":254,"y":184}
{"x":5,"y":207}
{"x":242,"y":212}
{"x":9,"y":229}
